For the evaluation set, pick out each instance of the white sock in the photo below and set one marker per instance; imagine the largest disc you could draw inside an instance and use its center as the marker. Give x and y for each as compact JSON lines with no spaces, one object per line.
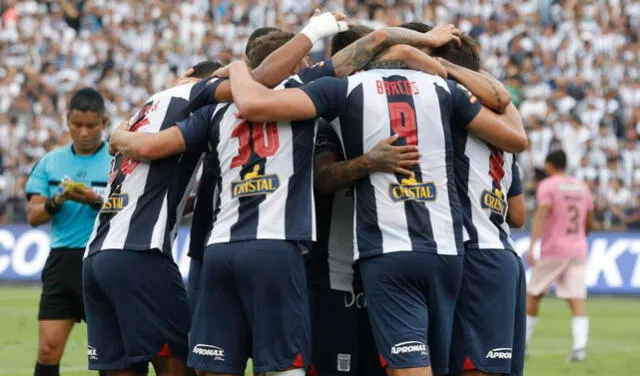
{"x":291,"y":372}
{"x":580,"y":331}
{"x":531,"y":325}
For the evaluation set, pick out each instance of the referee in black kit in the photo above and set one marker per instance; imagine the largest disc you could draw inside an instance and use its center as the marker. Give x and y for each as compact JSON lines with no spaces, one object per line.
{"x":66,"y":188}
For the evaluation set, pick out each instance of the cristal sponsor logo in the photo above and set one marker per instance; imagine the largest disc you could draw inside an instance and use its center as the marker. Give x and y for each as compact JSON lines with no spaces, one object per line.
{"x":494,"y":202}
{"x":115,"y":203}
{"x":501,"y":353}
{"x":209,"y":350}
{"x":409,"y":347}
{"x":411,"y":189}
{"x":254,"y":184}
{"x":92,"y":352}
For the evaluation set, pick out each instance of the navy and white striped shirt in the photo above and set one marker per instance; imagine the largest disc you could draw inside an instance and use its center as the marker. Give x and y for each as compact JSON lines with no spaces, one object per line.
{"x":393,"y":212}
{"x":264,"y":170}
{"x":146,"y":198}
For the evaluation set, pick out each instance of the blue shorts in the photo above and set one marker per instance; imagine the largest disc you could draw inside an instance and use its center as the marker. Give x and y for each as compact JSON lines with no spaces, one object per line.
{"x":490,"y":323}
{"x":136,"y":307}
{"x":252,"y":303}
{"x":341,"y":337}
{"x":193,"y":281}
{"x":411,"y":298}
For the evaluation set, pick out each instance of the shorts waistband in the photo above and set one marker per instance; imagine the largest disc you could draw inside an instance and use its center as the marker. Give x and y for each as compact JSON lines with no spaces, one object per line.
{"x":66,"y":249}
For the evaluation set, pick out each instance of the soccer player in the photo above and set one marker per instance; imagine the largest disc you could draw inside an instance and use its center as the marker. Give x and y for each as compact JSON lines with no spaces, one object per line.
{"x":265,"y":214}
{"x":490,"y":315}
{"x":562,"y":221}
{"x":66,"y":188}
{"x":398,"y":213}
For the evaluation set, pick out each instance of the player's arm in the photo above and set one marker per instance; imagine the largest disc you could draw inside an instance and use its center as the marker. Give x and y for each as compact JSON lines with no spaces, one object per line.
{"x":41,"y":207}
{"x":489,"y":91}
{"x":403,"y":56}
{"x":359,"y":53}
{"x":504,"y":131}
{"x":539,"y":219}
{"x":333,"y":175}
{"x":142,"y":146}
{"x":590,"y":223}
{"x":517,"y":208}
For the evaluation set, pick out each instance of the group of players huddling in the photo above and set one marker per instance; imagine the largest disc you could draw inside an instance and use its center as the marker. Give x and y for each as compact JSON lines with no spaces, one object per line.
{"x":375,"y":155}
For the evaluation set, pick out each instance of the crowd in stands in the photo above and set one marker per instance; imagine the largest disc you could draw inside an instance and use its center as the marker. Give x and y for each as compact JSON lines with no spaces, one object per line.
{"x":571,"y":66}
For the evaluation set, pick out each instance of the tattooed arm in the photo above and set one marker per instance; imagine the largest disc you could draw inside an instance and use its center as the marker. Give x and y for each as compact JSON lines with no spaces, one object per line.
{"x":489,"y":91}
{"x":406,"y":57}
{"x":359,"y":53}
{"x":332,"y":175}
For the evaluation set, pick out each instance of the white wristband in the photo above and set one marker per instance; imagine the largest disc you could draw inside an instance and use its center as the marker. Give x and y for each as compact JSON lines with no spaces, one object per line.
{"x":322,"y":26}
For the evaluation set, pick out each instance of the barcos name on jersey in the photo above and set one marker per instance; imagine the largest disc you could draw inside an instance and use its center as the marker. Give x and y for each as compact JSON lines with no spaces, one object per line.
{"x":254,"y":184}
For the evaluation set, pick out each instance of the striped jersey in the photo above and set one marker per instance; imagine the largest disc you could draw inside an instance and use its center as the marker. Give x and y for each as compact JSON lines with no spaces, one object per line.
{"x":331,"y":259}
{"x":264,"y":170}
{"x":145,"y":199}
{"x":394,"y":212}
{"x":486,"y":178}
{"x":202,"y":221}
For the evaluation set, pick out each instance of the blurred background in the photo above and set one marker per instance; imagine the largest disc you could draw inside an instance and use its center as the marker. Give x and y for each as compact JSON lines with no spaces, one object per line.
{"x":572,"y":67}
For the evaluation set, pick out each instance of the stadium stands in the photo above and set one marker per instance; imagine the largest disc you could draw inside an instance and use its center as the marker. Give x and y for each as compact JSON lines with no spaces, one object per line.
{"x":572,"y":67}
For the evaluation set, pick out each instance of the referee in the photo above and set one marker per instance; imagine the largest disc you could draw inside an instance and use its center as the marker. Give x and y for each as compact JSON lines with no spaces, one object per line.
{"x":65,"y":188}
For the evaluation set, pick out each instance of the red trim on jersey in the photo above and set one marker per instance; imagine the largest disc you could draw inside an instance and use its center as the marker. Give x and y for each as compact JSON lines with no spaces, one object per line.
{"x":165,"y":351}
{"x":298,"y":362}
{"x":468,"y":365}
{"x":383,"y":362}
{"x":312,"y":371}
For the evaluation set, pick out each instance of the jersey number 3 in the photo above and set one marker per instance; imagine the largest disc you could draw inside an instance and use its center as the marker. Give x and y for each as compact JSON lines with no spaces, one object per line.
{"x":261,"y":138}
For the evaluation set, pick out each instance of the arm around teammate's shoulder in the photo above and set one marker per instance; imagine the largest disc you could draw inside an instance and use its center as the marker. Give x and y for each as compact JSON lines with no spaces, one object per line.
{"x":142,"y":146}
{"x":504,"y":131}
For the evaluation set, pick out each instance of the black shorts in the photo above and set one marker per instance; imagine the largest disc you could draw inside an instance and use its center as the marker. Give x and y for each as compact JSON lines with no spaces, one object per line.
{"x":61,"y":297}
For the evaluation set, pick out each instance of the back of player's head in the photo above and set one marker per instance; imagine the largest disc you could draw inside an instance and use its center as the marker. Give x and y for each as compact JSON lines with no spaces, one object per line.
{"x":266,"y":44}
{"x":467,"y":55}
{"x":558,"y":159}
{"x":345,"y":38}
{"x":87,"y":99}
{"x":257,"y":33}
{"x":205,"y":69}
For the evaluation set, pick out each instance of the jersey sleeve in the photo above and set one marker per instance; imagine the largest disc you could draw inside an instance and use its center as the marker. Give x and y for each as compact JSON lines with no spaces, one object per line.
{"x":329,"y":96}
{"x":196,"y":130}
{"x":203,"y":93}
{"x":544,"y":194}
{"x":38,"y":182}
{"x":327,"y":140}
{"x":465,"y":106}
{"x":516,"y":184}
{"x":319,"y":70}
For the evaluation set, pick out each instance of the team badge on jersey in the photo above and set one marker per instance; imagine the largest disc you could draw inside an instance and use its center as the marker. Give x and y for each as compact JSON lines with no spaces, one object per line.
{"x":494,"y":201}
{"x":115,"y":203}
{"x":411,"y":189}
{"x":254,"y":184}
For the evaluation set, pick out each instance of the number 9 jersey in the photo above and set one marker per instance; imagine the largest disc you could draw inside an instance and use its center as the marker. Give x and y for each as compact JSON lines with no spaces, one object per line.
{"x":264,"y":170}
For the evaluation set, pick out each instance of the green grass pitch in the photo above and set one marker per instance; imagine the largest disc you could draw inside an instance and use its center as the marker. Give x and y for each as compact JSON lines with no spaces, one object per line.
{"x":614,"y":347}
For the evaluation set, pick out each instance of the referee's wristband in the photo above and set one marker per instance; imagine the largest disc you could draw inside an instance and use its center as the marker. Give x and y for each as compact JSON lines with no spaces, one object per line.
{"x":51,"y":206}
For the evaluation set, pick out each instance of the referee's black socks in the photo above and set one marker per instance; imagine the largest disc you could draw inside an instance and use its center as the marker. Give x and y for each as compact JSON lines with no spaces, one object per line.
{"x":47,"y":370}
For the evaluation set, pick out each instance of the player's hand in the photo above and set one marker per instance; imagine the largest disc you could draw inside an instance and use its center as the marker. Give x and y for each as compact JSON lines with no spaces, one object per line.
{"x":324,"y":25}
{"x":530,"y":259}
{"x":443,"y":34}
{"x":80,"y":194}
{"x":222,"y":72}
{"x":385,"y":157}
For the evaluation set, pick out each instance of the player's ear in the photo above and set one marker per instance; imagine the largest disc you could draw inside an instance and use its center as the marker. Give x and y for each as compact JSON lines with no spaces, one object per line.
{"x":106,"y":121}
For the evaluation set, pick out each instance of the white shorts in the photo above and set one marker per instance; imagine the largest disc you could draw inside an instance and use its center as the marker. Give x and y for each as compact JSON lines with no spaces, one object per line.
{"x":568,"y":274}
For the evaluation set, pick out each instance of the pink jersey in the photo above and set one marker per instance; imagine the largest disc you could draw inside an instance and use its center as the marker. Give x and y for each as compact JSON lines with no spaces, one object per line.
{"x":564,"y":232}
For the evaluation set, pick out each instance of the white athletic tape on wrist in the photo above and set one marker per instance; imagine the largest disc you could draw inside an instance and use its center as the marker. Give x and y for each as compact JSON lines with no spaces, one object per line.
{"x":322,"y":26}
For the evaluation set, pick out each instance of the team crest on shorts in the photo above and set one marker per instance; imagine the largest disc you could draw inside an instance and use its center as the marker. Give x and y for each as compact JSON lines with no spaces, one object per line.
{"x":254,"y":184}
{"x":494,"y":201}
{"x":115,"y":203}
{"x":411,"y":189}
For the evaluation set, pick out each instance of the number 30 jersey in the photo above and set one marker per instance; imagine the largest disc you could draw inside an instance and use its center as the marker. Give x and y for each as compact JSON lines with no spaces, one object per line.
{"x":395,"y":212}
{"x":264,"y":170}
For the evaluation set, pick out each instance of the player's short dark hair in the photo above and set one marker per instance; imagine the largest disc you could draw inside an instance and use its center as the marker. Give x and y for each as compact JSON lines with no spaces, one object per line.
{"x":205,"y":69}
{"x":558,"y":159}
{"x":257,"y":33}
{"x":467,"y":55}
{"x":87,"y":99}
{"x":345,"y":38}
{"x":266,"y":44}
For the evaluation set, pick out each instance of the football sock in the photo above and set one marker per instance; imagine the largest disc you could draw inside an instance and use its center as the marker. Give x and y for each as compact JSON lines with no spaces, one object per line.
{"x":580,"y":331}
{"x":531,"y":325}
{"x":47,"y":370}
